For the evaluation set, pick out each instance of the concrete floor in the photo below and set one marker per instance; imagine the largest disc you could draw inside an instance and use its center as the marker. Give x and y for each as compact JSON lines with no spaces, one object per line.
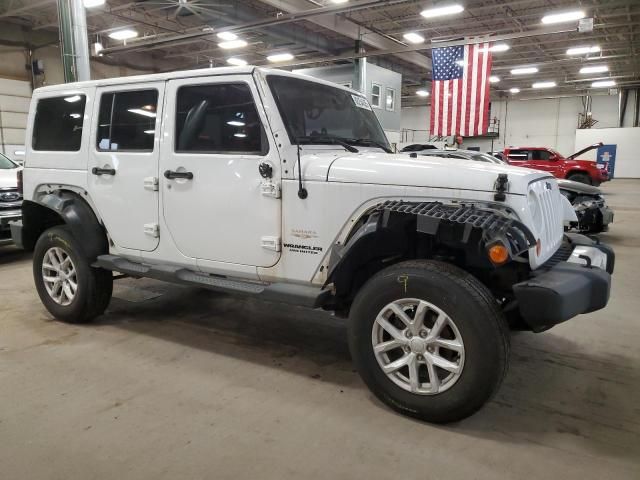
{"x":177,"y":383}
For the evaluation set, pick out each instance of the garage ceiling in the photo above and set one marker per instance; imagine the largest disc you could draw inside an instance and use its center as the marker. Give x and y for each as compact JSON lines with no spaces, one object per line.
{"x":181,"y":34}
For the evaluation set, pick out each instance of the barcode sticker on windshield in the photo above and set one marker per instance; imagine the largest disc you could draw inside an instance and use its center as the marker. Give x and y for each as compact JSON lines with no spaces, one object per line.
{"x":361,"y":102}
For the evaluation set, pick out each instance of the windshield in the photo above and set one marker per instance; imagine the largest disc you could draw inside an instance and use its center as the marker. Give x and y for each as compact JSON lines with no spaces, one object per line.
{"x":312,"y":110}
{"x":485,"y":157}
{"x":6,"y":164}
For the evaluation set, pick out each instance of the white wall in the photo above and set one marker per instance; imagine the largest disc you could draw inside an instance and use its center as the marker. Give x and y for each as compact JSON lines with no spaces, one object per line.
{"x":15,"y":96}
{"x":545,"y":122}
{"x":627,"y":141}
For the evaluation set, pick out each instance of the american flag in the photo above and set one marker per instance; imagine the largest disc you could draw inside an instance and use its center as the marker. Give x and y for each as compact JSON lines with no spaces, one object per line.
{"x":460,"y":90}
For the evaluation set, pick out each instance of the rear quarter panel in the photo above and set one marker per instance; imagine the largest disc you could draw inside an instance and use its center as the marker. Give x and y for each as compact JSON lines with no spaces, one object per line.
{"x":43,"y":168}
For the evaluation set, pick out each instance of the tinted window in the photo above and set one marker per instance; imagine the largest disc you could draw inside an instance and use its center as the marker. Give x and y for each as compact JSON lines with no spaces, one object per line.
{"x":540,"y":155}
{"x":58,"y":123}
{"x":127,"y":120}
{"x":218,"y":119}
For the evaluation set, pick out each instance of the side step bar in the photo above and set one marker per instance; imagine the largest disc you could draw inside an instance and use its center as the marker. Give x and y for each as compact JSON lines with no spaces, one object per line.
{"x":302,"y":295}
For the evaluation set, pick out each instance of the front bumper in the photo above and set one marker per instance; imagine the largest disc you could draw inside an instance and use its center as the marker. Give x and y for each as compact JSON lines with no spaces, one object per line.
{"x":594,"y":219}
{"x":6,"y":217}
{"x":579,"y":284}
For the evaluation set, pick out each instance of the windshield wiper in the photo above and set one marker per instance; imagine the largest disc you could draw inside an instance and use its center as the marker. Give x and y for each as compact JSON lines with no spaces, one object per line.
{"x":367,"y":142}
{"x":326,"y":140}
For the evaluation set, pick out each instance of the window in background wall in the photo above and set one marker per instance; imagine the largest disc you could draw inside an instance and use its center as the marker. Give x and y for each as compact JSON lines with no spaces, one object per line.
{"x":390,"y":99}
{"x":376,"y":93}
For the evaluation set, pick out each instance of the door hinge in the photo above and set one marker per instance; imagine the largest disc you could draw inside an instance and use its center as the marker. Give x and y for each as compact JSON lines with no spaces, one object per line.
{"x":152,"y":229}
{"x":151,"y":183}
{"x":270,"y":243}
{"x":270,"y":189}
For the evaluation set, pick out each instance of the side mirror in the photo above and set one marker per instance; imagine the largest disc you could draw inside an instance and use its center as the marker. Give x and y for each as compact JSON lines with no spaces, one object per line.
{"x":553,"y":158}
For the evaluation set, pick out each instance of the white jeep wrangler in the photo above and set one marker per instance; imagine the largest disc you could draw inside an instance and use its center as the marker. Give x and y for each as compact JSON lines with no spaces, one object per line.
{"x":266,"y":183}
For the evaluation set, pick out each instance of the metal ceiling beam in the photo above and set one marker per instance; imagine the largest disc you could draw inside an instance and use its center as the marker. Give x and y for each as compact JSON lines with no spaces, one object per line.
{"x":349,"y":29}
{"x":26,"y":8}
{"x":255,"y":24}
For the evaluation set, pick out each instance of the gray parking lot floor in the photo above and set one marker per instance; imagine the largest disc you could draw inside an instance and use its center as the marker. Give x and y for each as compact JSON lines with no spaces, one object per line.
{"x":179,"y":383}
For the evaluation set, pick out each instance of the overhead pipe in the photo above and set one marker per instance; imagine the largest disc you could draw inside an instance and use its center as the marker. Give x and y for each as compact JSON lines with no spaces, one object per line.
{"x":74,"y":43}
{"x":622,"y":105}
{"x":636,"y":108}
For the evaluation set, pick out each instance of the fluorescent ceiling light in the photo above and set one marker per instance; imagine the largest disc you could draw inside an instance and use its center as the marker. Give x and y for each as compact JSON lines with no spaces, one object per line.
{"x":72,"y":99}
{"x":92,"y":3}
{"x":228,"y":36}
{"x":524,"y":71}
{"x":339,"y":1}
{"x":235,"y":123}
{"x":238,"y":62}
{"x":564,"y":17}
{"x":494,"y":79}
{"x":499,"y":47}
{"x":240,"y":135}
{"x":280,"y":57}
{"x":583,"y":50}
{"x":97,"y":48}
{"x":149,"y":132}
{"x":604,"y":83}
{"x":125,"y":34}
{"x":422,"y":93}
{"x":74,"y":115}
{"x":413,"y":37}
{"x":514,"y":90}
{"x":544,"y":85}
{"x":145,"y":113}
{"x":594,"y":69}
{"x":232,"y":44}
{"x":441,"y":11}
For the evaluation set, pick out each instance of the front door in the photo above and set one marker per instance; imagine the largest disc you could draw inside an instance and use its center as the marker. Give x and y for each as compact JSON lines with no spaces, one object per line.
{"x":123,"y":162}
{"x":215,"y":139}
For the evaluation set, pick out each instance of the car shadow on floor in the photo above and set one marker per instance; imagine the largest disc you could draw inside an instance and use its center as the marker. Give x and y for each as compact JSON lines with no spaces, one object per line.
{"x":556,"y":392}
{"x":9,"y":253}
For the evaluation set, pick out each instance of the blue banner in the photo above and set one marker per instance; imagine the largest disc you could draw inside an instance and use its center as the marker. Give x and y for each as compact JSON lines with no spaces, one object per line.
{"x":607,"y":156}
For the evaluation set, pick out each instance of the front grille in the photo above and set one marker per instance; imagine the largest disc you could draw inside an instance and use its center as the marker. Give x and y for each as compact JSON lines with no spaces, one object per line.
{"x":549,"y":200}
{"x":10,"y":198}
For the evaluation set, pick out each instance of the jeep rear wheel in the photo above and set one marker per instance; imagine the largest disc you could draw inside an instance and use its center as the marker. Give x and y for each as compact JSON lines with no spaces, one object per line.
{"x":428,"y":340}
{"x":68,"y":286}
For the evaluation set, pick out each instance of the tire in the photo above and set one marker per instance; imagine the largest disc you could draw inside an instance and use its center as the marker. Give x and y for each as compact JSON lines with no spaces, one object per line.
{"x":580,"y":177}
{"x":94,"y":286}
{"x":474,"y":321}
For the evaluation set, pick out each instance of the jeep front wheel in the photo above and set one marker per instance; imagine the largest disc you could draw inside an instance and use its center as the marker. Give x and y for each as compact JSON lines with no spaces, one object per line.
{"x":428,"y":340}
{"x":68,"y":286}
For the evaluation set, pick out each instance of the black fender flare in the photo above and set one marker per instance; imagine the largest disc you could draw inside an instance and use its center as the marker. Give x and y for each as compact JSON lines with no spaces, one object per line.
{"x":465,"y":226}
{"x":81,"y":220}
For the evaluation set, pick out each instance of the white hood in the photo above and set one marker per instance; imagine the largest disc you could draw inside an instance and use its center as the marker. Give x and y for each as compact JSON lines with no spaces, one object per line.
{"x":9,"y":177}
{"x":389,"y":169}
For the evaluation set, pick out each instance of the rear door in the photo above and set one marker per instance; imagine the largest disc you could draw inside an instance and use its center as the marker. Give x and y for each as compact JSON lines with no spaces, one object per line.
{"x":123,"y":162}
{"x":540,"y":159}
{"x":215,"y":139}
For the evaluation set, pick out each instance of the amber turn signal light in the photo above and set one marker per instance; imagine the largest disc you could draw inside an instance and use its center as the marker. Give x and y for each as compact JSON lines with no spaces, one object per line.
{"x":498,"y":254}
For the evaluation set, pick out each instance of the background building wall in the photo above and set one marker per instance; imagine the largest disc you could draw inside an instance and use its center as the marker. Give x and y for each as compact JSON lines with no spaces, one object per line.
{"x":548,"y":122}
